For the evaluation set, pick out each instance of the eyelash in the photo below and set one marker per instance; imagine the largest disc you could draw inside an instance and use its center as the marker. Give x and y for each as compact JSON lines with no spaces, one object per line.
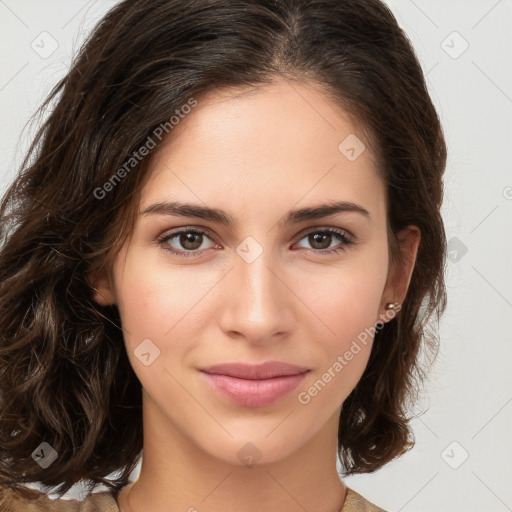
{"x":341,"y":234}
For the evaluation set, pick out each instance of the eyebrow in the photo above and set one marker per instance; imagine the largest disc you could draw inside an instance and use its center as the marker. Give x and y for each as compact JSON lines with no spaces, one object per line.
{"x":177,"y":208}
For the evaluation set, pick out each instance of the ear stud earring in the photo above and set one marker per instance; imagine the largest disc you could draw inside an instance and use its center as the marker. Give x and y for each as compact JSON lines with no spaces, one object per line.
{"x":392,"y":305}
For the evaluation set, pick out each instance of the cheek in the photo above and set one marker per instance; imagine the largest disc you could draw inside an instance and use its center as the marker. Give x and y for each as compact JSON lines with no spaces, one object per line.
{"x":159,"y":302}
{"x":157,"y":313}
{"x":347,"y":303}
{"x":349,"y":312}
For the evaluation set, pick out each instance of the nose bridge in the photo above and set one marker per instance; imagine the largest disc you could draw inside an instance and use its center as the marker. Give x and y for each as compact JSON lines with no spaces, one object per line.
{"x":258,"y":304}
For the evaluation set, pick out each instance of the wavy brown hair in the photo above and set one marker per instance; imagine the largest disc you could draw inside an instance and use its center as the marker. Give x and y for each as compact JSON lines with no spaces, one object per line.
{"x":65,"y":377}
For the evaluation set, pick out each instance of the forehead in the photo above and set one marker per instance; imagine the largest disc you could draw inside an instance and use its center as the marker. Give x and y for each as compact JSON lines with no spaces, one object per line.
{"x":277,"y":145}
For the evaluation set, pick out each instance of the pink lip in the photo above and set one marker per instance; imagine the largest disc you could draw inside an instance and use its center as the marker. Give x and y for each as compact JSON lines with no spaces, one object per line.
{"x":254,"y":385}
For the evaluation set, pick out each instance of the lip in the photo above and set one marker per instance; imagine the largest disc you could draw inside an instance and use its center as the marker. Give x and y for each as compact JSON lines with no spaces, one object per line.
{"x":254,"y":385}
{"x":266,"y":370}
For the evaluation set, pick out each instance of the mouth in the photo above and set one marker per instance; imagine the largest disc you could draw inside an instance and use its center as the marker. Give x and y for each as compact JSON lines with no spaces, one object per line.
{"x":254,"y":385}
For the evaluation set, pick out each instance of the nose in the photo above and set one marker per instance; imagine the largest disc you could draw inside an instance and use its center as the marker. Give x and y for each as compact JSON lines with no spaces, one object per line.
{"x":257,"y":302}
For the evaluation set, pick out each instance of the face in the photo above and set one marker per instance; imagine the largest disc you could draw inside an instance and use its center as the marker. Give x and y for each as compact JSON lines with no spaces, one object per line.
{"x":197,"y":291}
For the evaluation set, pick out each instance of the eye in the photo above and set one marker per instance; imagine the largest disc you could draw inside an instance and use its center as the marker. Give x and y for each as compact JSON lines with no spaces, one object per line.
{"x":321,"y":240}
{"x":190,"y":242}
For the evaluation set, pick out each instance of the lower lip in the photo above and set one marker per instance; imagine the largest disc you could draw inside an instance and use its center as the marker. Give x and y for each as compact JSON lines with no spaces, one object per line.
{"x":254,"y":393}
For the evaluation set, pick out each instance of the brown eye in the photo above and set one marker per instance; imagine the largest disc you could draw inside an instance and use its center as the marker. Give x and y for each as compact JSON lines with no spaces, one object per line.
{"x":186,"y":242}
{"x":190,"y":241}
{"x":320,"y":241}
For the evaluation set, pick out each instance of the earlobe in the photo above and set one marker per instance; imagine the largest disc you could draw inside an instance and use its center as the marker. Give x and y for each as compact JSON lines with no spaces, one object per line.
{"x":400,"y":275}
{"x":103,"y":289}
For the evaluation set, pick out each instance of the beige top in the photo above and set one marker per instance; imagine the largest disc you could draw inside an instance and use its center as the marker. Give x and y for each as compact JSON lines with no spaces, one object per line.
{"x":31,"y":500}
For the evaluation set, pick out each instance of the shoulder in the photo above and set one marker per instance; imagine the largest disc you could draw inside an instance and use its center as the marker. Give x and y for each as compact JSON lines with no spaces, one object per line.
{"x":354,"y":502}
{"x":31,"y":500}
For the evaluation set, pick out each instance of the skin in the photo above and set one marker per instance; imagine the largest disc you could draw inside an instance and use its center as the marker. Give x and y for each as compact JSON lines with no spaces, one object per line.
{"x":256,"y":156}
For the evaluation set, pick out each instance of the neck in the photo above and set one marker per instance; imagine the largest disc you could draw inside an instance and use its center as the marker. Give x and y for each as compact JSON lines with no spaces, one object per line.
{"x":177,"y":475}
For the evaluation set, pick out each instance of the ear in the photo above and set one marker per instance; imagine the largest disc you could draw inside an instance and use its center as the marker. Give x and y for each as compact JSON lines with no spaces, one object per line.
{"x":400,"y":272}
{"x":102,"y":287}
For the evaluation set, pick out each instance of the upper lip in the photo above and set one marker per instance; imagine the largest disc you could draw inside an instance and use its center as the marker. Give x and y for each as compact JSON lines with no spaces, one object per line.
{"x":255,"y":371}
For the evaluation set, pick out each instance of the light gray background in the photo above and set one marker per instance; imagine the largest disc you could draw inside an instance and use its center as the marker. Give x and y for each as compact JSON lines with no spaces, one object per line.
{"x":469,"y":393}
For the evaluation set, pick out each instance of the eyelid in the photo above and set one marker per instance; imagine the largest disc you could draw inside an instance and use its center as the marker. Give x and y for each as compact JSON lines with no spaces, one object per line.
{"x":186,"y":229}
{"x":313,"y":229}
{"x":346,"y":237}
{"x":334,"y":229}
{"x":174,"y":232}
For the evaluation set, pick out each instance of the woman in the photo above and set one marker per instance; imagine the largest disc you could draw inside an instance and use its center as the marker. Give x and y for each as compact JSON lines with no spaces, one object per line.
{"x":221,"y":253}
